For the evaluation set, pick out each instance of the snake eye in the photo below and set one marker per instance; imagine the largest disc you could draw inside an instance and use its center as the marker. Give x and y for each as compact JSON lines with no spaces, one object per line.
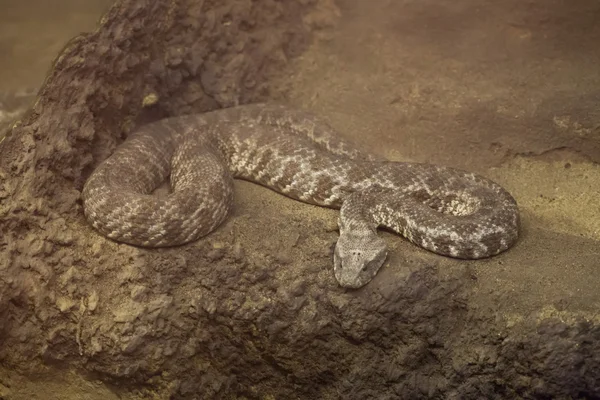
{"x":370,"y":265}
{"x":367,"y":266}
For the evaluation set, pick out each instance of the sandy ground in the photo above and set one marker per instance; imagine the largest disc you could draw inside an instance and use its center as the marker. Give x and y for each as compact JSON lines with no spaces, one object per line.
{"x":505,"y":89}
{"x":508,"y":90}
{"x":31,"y":36}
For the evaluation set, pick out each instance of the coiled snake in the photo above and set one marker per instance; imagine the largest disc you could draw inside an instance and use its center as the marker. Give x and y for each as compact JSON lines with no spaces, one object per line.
{"x":447,"y":211}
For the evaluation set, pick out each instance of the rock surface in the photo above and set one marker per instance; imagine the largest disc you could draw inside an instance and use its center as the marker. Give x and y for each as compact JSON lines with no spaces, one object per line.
{"x":253,"y":310}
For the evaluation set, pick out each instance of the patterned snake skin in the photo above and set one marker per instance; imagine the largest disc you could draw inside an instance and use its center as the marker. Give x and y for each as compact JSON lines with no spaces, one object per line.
{"x":447,"y":211}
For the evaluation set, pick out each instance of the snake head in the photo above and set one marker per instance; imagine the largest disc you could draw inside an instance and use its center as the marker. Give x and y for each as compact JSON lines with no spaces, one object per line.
{"x":357,"y":257}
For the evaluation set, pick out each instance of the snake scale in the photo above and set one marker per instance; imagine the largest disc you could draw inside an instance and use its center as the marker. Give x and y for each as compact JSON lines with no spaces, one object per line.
{"x":447,"y":211}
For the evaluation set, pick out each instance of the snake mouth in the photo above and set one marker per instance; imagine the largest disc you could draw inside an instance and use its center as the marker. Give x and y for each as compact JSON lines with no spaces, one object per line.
{"x":341,"y":275}
{"x":345,"y":277}
{"x":337,"y":261}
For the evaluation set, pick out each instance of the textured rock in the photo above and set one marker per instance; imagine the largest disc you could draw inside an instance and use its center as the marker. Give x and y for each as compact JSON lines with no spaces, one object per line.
{"x":253,"y":310}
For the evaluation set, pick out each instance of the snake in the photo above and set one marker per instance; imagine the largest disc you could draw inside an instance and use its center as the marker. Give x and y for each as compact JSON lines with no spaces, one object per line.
{"x":447,"y":211}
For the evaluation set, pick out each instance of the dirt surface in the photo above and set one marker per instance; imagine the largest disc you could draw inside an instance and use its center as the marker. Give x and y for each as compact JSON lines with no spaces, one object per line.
{"x":505,"y":89}
{"x":31,"y":35}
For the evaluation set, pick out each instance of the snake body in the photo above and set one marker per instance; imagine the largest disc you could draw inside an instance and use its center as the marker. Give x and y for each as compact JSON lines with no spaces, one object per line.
{"x":447,"y":211}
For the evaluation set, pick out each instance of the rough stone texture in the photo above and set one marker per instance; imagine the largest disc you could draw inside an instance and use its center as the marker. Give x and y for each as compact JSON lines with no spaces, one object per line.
{"x":253,"y":311}
{"x":73,"y":298}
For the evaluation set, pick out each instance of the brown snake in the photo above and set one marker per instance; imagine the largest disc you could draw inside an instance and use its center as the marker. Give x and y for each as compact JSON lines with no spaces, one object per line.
{"x":447,"y":211}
